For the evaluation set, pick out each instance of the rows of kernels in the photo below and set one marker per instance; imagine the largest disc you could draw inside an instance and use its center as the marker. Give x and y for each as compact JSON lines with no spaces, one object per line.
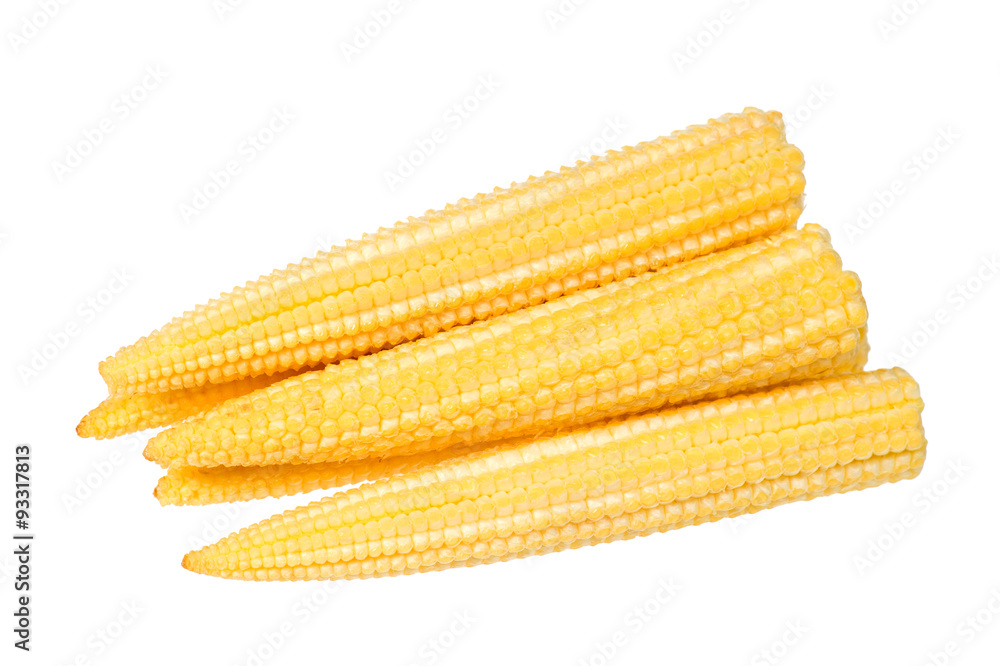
{"x":586,"y":266}
{"x":531,"y":509}
{"x":317,"y":329}
{"x":625,"y":526}
{"x":224,"y":338}
{"x":556,"y":539}
{"x":121,"y":415}
{"x":192,"y":486}
{"x":677,"y":473}
{"x":719,"y":323}
{"x":674,"y":444}
{"x":682,"y":427}
{"x":244,"y":558}
{"x":247,"y":448}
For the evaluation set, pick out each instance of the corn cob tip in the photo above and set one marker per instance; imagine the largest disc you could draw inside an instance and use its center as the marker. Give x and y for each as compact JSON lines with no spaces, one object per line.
{"x":85,"y":428}
{"x":167,"y":493}
{"x":119,"y":415}
{"x":194,"y":561}
{"x":708,"y":187}
{"x":160,"y":450}
{"x":153,"y":453}
{"x":94,"y":424}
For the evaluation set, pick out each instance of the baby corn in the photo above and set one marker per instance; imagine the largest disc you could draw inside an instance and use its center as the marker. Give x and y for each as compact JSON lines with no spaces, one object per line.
{"x":211,"y":485}
{"x":183,"y":485}
{"x":124,"y":414}
{"x":693,"y":192}
{"x":772,"y":311}
{"x":615,"y":480}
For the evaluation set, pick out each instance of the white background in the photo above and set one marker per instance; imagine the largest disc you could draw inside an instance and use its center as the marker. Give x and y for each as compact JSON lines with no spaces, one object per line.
{"x":867,"y":101}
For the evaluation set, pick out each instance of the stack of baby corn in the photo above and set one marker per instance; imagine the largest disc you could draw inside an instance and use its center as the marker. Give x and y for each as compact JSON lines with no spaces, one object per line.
{"x":640,"y":342}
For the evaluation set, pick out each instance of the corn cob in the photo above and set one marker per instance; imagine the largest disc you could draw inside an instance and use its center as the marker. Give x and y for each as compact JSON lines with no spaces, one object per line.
{"x":193,"y":486}
{"x":129,"y":412}
{"x":747,"y":499}
{"x":183,"y":485}
{"x":121,"y":415}
{"x":698,"y":190}
{"x":211,"y":485}
{"x":777,"y":310}
{"x":624,"y":478}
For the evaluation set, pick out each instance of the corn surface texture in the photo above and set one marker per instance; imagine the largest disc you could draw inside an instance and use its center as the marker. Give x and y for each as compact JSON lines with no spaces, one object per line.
{"x":695,"y":191}
{"x":212,"y":485}
{"x":124,"y":414}
{"x":773,"y":311}
{"x":183,"y":485}
{"x":609,"y":481}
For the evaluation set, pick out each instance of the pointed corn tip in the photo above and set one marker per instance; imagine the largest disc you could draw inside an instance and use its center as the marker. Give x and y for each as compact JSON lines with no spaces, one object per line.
{"x":84,"y":428}
{"x":152,"y":452}
{"x":193,"y":562}
{"x":94,"y":423}
{"x":162,"y":494}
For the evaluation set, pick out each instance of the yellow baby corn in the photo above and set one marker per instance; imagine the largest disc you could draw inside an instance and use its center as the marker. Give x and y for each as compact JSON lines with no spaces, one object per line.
{"x":747,"y":499}
{"x":121,"y":415}
{"x":772,"y":311}
{"x":696,"y":191}
{"x":609,"y":481}
{"x":183,"y":485}
{"x":211,"y":485}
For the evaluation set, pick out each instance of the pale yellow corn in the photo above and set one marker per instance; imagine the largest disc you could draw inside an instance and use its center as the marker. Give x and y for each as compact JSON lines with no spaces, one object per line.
{"x":183,"y":485}
{"x":120,"y":415}
{"x":624,"y":478}
{"x":211,"y":485}
{"x":698,"y":190}
{"x":748,"y":499}
{"x":773,"y":311}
